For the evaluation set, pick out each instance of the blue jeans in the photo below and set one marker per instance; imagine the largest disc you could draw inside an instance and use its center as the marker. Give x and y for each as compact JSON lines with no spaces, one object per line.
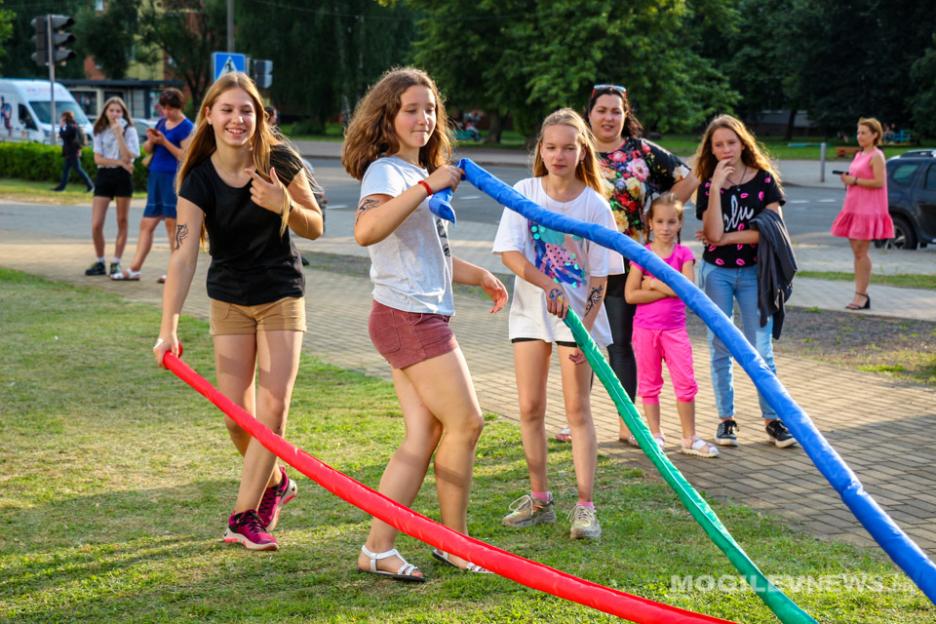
{"x":74,"y":163}
{"x":723,"y":286}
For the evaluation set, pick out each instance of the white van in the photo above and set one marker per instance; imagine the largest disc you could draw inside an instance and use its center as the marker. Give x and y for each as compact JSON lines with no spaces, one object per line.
{"x":26,"y":111}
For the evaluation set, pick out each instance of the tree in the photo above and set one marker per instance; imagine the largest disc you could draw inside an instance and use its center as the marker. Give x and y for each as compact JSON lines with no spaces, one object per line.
{"x":109,"y":36}
{"x":20,"y":48}
{"x":6,"y":29}
{"x":923,"y":107}
{"x":526,"y":58}
{"x":324,"y":54}
{"x":187,"y":32}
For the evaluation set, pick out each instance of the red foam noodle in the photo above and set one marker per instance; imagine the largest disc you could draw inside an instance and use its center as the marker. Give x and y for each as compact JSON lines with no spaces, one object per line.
{"x":524,"y":571}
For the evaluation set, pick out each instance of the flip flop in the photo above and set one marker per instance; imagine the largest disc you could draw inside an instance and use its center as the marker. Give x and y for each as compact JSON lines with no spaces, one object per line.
{"x":127,"y":275}
{"x":404,"y":573}
{"x":471,"y":567}
{"x":564,"y":435}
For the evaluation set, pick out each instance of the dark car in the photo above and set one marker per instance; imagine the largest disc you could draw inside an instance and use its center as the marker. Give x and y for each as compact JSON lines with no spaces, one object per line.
{"x":911,"y":199}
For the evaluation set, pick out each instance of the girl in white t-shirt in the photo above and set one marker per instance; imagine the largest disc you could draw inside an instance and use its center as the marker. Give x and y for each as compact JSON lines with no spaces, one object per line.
{"x":398,"y":146}
{"x":556,"y":272}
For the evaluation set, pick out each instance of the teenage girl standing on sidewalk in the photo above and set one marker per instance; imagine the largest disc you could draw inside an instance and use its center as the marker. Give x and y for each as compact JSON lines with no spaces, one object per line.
{"x":245,"y":191}
{"x":116,"y":146}
{"x":636,"y":170}
{"x":738,"y":183}
{"x":167,"y":144}
{"x":557,"y":272}
{"x":864,"y":216}
{"x":660,"y":328}
{"x":398,"y":145}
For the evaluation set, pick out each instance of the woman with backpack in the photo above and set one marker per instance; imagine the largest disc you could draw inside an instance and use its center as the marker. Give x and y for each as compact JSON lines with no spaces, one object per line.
{"x":72,"y":142}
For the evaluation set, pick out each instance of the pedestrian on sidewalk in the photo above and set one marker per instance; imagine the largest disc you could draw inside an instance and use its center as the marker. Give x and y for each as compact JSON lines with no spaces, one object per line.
{"x":239,"y":189}
{"x":660,"y":328}
{"x":72,"y":141}
{"x":398,"y":145}
{"x":556,"y":272}
{"x":167,"y":143}
{"x":738,"y":183}
{"x":635,"y":171}
{"x":116,"y":146}
{"x":864,"y":216}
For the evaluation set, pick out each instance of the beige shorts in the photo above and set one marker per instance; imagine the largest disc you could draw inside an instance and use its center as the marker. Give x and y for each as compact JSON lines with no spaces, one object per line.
{"x":286,"y":314}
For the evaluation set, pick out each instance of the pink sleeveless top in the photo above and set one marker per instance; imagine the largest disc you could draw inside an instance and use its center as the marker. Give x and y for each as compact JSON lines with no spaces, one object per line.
{"x":864,"y":214}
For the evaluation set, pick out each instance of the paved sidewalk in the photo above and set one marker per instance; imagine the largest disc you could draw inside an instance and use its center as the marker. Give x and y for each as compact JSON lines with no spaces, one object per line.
{"x":876,"y":425}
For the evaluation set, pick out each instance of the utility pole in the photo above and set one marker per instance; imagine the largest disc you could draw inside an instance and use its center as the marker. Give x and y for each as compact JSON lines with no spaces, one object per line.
{"x":230,"y":25}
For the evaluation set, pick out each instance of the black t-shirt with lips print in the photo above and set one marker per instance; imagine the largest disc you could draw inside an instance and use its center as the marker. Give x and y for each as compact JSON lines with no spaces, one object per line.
{"x":251,"y":263}
{"x":739,"y":203}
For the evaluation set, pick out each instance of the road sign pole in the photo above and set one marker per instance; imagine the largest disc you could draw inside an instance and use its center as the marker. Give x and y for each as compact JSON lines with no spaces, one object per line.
{"x":51,"y":56}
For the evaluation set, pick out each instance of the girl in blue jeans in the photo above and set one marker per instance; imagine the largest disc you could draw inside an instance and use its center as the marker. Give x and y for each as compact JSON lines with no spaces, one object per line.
{"x":738,"y":183}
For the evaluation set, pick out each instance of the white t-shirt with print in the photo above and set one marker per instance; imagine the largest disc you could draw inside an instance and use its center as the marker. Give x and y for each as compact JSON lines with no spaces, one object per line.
{"x":568,"y":260}
{"x":105,"y":143}
{"x":412,"y":268}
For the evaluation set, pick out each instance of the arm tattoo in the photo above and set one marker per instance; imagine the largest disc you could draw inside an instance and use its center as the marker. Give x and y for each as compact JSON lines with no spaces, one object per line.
{"x":594,"y":298}
{"x":181,"y":231}
{"x":366,"y":204}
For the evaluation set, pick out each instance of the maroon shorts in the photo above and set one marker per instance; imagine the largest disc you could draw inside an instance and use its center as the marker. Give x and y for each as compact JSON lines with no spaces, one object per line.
{"x":407,"y":338}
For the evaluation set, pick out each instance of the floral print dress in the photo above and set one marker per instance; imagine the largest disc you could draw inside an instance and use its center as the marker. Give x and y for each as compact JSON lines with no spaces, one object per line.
{"x":636,"y":172}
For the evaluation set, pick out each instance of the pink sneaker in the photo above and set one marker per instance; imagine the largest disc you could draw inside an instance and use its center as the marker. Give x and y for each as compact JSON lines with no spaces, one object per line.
{"x":246,"y":529}
{"x":274,"y":499}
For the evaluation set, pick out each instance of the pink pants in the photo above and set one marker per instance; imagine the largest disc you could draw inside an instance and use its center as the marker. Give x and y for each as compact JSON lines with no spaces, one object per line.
{"x":654,"y":346}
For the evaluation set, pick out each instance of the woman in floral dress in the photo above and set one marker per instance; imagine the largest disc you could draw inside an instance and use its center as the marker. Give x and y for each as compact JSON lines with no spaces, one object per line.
{"x":636,"y":171}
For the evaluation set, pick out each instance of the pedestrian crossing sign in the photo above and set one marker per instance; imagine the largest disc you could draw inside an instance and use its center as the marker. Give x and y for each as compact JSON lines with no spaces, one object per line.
{"x":227,"y":62}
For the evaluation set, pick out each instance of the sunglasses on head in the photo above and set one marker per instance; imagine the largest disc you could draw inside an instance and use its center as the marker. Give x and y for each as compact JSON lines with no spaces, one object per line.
{"x":598,"y":88}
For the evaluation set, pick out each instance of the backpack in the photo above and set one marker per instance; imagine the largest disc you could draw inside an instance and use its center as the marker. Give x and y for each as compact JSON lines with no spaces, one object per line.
{"x":81,"y":139}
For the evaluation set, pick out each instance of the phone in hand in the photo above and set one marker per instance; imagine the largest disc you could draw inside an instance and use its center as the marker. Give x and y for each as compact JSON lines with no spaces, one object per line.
{"x":839,"y":172}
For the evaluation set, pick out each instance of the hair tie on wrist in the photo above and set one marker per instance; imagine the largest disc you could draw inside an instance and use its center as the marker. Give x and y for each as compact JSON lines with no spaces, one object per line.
{"x":426,"y":186}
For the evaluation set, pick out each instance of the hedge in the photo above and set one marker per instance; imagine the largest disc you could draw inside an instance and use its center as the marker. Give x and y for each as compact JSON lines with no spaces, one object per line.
{"x":36,"y":161}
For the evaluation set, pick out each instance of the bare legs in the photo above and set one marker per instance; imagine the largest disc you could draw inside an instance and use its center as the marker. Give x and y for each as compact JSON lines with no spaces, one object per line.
{"x":274,"y":355}
{"x":98,"y":213}
{"x":441,"y":413}
{"x":145,"y":241}
{"x":531,"y":362}
{"x":862,"y":270}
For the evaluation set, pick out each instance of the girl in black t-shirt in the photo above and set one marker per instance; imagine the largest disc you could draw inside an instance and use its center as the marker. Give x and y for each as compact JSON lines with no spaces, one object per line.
{"x":240,"y":188}
{"x":738,"y":182}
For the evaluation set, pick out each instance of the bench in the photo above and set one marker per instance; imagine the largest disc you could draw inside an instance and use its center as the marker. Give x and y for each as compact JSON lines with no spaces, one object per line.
{"x":846,"y":152}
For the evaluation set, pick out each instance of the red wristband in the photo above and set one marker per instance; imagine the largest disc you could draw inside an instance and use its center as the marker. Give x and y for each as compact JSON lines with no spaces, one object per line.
{"x":426,"y":186}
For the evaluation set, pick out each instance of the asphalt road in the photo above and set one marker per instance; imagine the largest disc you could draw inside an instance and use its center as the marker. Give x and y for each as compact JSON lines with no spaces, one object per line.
{"x":809,"y":211}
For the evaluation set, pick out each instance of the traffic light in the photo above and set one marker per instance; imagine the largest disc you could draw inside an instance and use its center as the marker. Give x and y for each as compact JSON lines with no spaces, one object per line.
{"x":51,"y":39}
{"x":261,"y":71}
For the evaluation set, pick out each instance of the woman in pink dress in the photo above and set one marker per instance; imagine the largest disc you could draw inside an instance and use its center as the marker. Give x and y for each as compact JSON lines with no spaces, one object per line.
{"x":864,"y":215}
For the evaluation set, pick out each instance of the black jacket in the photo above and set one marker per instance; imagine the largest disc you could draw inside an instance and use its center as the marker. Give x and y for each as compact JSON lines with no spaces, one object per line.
{"x":776,"y":266}
{"x":71,"y":140}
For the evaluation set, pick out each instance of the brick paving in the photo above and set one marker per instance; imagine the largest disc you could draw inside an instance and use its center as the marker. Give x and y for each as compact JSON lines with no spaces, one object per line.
{"x":875,"y":424}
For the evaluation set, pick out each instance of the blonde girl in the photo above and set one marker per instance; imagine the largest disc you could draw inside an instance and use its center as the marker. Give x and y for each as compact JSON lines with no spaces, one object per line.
{"x":660,"y":328}
{"x":116,"y":146}
{"x":556,"y":272}
{"x":737,"y":183}
{"x":243,"y":191}
{"x":398,"y":145}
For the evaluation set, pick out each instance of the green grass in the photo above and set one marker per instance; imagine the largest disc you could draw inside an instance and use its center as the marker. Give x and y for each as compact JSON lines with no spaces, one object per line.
{"x":901,"y":280}
{"x":29,"y":190}
{"x":116,"y":479}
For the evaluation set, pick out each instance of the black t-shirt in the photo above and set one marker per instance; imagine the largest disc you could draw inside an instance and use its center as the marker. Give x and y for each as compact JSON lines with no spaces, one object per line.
{"x":250,"y":262}
{"x":739,"y":204}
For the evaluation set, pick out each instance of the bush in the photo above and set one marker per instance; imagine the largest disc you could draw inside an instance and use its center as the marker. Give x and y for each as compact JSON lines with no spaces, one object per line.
{"x":36,"y":161}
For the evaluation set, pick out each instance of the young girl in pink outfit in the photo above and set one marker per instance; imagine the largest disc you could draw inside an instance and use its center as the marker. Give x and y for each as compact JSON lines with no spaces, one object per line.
{"x":864,"y":215}
{"x":660,"y":328}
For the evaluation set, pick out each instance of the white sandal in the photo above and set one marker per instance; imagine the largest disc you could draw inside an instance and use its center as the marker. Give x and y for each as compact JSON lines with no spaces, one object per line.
{"x":405,"y":573}
{"x":700,"y":448}
{"x":127,"y":275}
{"x":471,"y":567}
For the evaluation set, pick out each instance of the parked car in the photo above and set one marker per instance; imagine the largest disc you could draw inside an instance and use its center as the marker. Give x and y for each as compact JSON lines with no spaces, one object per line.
{"x":911,"y":199}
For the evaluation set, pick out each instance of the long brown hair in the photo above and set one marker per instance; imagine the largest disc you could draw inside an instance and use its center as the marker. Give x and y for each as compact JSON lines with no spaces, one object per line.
{"x":752,"y":153}
{"x":587,"y":170}
{"x":203,"y":138}
{"x":370,"y":134}
{"x":632,"y":126}
{"x":103,"y":123}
